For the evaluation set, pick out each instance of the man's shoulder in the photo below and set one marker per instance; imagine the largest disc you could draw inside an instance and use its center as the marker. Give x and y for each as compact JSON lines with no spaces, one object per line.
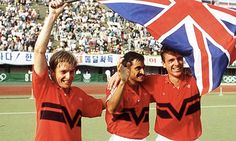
{"x":152,"y":79}
{"x":76,"y":89}
{"x":189,"y":77}
{"x":156,"y":76}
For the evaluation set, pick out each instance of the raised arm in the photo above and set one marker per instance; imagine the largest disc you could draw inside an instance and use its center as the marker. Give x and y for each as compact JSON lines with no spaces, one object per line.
{"x":40,"y":63}
{"x":116,"y":95}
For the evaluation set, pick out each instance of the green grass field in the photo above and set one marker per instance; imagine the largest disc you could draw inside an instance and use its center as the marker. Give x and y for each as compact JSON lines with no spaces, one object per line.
{"x":17,"y":116}
{"x":17,"y":120}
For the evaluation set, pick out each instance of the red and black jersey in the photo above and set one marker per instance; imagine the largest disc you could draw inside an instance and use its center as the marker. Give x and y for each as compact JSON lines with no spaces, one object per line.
{"x":131,"y":120}
{"x":59,"y":115}
{"x":177,"y":109}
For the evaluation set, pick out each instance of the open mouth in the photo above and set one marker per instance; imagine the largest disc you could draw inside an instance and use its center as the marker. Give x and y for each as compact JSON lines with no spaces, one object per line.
{"x":179,"y":69}
{"x":141,"y":76}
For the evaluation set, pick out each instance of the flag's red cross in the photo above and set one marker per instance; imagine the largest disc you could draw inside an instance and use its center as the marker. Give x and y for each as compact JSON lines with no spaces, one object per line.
{"x":206,"y":26}
{"x":174,"y":15}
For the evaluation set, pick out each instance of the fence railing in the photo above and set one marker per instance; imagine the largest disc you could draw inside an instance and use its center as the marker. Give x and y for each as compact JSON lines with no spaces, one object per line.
{"x":93,"y":77}
{"x":27,"y":77}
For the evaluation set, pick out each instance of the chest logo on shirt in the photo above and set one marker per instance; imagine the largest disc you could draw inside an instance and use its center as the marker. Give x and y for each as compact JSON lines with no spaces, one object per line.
{"x":189,"y":106}
{"x":62,"y":116}
{"x":129,"y":113}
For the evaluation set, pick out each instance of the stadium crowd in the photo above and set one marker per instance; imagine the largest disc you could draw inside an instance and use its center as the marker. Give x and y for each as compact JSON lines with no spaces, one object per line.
{"x":84,"y":27}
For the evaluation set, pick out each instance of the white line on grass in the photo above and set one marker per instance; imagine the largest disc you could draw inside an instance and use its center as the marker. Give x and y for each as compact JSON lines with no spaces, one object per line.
{"x":219,"y":106}
{"x":152,"y":108}
{"x":215,"y":106}
{"x":17,"y":113}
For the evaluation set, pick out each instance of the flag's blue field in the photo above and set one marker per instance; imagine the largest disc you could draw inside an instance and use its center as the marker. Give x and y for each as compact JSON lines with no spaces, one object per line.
{"x":17,"y":120}
{"x":191,"y":28}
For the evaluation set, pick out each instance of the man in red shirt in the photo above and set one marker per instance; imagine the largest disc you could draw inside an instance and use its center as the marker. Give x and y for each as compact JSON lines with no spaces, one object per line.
{"x":127,"y":114}
{"x":59,"y":106}
{"x":177,"y":100}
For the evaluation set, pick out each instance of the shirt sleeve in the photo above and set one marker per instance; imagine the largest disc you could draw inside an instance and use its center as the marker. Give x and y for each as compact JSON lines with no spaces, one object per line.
{"x":39,"y":83}
{"x":109,"y":94}
{"x":92,"y":107}
{"x":150,"y":83}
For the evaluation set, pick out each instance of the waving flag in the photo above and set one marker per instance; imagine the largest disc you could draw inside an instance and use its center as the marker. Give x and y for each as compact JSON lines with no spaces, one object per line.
{"x":204,"y":33}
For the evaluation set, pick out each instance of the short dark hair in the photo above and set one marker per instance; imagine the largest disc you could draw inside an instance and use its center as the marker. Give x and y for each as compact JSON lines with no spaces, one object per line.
{"x":130,"y":56}
{"x":167,"y":49}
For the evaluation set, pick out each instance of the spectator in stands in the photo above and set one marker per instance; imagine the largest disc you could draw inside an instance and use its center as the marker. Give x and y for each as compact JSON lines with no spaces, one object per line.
{"x":59,"y":105}
{"x":19,"y":28}
{"x":102,"y":31}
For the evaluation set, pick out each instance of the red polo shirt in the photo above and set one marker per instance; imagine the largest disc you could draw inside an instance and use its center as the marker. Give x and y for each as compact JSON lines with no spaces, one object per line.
{"x":131,"y":120}
{"x":59,"y":115}
{"x":178,"y":109}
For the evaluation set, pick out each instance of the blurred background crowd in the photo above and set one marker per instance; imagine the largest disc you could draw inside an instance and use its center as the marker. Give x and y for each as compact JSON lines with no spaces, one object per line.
{"x":84,"y":27}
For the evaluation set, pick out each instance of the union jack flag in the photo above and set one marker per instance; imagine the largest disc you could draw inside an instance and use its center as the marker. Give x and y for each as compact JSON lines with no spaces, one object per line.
{"x":206,"y":33}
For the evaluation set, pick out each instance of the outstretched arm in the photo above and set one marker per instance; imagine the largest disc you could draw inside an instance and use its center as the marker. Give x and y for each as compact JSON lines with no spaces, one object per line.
{"x":40,"y":63}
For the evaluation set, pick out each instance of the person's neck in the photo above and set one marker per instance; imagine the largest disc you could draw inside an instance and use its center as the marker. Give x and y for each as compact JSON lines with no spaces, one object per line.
{"x":66,"y":91}
{"x":133,"y":85}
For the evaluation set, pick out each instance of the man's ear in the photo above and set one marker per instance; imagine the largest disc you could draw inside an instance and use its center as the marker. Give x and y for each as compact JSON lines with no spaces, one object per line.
{"x":52,"y":73}
{"x":128,"y":65}
{"x":163,"y":64}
